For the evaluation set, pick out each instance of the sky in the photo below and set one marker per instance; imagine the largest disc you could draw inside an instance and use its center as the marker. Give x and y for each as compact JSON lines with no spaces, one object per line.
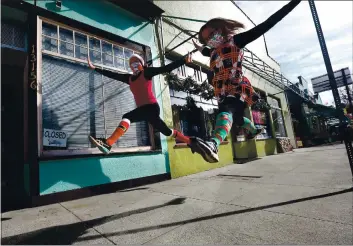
{"x":293,"y":42}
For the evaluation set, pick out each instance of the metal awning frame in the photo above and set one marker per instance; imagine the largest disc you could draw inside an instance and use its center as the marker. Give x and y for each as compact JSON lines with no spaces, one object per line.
{"x":250,"y":61}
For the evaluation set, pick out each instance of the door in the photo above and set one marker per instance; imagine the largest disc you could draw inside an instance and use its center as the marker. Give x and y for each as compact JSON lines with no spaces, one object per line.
{"x":12,"y":140}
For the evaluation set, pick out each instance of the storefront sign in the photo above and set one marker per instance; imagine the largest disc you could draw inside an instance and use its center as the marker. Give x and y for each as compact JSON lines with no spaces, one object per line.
{"x":54,"y":138}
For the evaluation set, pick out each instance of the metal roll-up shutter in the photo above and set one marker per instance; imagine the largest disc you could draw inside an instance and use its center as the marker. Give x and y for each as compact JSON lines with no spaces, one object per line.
{"x":118,"y":101}
{"x":72,"y":101}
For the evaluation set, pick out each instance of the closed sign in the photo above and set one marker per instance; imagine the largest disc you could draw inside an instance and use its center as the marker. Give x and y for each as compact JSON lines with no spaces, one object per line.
{"x":54,"y":138}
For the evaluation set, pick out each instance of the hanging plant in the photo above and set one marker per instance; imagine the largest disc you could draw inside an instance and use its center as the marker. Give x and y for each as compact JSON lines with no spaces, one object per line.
{"x":190,"y":103}
{"x":261,"y":105}
{"x":189,"y":85}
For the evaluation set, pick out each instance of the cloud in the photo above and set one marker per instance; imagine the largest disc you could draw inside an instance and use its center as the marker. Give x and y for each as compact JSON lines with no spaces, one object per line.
{"x":293,"y":42}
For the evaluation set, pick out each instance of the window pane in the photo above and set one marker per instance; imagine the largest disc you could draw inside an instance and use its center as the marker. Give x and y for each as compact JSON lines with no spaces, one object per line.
{"x":189,"y":122}
{"x":6,"y":34}
{"x":66,"y":49}
{"x":49,"y":30}
{"x":66,"y":35}
{"x":80,"y":52}
{"x":108,"y":60}
{"x":128,"y":53}
{"x":273,"y":102}
{"x":119,"y":63}
{"x":118,"y":51}
{"x":127,"y":65}
{"x":94,"y":44}
{"x":261,"y":120}
{"x":278,"y":123}
{"x":19,"y":38}
{"x":49,"y":44}
{"x":107,"y":48}
{"x":80,"y":39}
{"x":95,"y":56}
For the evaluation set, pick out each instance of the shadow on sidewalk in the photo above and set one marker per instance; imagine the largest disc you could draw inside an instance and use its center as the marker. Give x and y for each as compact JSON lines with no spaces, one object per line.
{"x":67,"y":234}
{"x":218,"y":215}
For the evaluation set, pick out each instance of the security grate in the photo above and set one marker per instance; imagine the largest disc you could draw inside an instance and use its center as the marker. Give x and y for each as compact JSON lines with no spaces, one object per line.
{"x":12,"y":37}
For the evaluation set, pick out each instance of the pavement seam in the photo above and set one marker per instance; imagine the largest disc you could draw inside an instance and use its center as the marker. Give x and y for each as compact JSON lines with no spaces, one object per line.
{"x":318,"y":187}
{"x":101,"y":234}
{"x":243,"y":206}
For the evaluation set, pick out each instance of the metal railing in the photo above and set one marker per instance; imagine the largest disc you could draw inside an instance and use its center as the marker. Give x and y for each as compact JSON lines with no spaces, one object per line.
{"x":261,"y":68}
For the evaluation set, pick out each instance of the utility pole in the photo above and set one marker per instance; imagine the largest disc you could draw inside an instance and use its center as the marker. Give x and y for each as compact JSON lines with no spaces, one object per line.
{"x":320,"y":35}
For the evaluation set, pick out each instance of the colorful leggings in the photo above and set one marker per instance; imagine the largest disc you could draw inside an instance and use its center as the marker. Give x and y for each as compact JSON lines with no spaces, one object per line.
{"x":229,"y":107}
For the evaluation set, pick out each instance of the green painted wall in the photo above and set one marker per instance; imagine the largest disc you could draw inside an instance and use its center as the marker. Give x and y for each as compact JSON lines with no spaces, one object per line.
{"x":183,"y":162}
{"x":266,"y":147}
{"x":63,"y":175}
{"x":252,"y":149}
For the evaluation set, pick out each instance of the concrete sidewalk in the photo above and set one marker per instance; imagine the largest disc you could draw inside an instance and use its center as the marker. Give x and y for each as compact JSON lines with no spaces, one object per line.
{"x":304,"y":197}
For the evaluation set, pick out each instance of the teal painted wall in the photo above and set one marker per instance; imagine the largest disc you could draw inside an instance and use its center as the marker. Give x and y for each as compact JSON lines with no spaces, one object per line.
{"x":63,"y":175}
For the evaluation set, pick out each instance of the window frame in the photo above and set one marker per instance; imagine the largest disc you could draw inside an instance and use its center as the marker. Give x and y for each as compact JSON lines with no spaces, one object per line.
{"x":279,"y":108}
{"x":50,"y":154}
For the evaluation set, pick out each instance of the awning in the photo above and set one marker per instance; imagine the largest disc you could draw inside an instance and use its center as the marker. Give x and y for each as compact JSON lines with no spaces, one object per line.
{"x":143,"y":8}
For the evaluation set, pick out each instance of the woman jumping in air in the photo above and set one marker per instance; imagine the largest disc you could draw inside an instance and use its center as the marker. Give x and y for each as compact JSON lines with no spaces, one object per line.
{"x":233,"y":91}
{"x":140,"y":83}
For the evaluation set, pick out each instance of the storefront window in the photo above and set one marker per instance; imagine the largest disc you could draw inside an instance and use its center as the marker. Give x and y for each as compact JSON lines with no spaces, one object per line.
{"x":76,"y":44}
{"x":277,"y":117}
{"x":195,"y":117}
{"x":261,"y":120}
{"x":191,"y":119}
{"x":76,"y":101}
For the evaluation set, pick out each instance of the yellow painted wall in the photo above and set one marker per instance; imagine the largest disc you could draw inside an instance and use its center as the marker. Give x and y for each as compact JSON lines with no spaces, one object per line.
{"x":266,"y":147}
{"x":183,"y":162}
{"x":252,"y":149}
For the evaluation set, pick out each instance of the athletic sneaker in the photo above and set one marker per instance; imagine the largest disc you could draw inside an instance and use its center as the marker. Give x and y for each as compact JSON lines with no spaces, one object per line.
{"x":252,"y":136}
{"x":101,"y":144}
{"x":207,"y":149}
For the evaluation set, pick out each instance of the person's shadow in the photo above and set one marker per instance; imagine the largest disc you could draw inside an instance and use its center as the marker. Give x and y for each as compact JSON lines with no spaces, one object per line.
{"x":68,"y":234}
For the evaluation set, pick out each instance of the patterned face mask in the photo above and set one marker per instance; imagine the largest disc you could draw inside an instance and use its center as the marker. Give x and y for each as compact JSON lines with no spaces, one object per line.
{"x":215,"y":40}
{"x":135,"y":66}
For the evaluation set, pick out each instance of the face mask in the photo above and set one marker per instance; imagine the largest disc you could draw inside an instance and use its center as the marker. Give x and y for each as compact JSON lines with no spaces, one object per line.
{"x":215,"y":40}
{"x":135,"y":66}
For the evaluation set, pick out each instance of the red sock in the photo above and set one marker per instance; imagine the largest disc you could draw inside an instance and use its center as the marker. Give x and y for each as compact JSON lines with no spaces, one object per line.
{"x":179,"y":136}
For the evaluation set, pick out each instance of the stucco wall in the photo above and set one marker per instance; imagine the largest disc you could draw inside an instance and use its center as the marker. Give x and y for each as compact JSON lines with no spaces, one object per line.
{"x":63,"y":175}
